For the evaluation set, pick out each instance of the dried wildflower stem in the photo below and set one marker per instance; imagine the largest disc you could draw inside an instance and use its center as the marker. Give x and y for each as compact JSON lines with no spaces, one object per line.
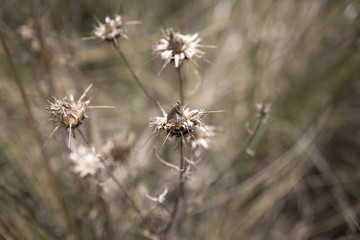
{"x":181,"y":188}
{"x":53,"y":182}
{"x":107,"y":223}
{"x":137,"y":80}
{"x":235,"y":160}
{"x":180,"y":192}
{"x":181,"y":85}
{"x":120,"y":186}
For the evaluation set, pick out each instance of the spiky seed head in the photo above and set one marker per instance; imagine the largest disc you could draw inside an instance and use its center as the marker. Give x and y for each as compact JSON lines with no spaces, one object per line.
{"x":112,"y":29}
{"x":176,"y":47}
{"x":180,"y":123}
{"x":68,"y":112}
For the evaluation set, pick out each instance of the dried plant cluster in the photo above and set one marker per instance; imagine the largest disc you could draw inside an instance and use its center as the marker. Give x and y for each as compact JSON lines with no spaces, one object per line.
{"x":253,"y":170}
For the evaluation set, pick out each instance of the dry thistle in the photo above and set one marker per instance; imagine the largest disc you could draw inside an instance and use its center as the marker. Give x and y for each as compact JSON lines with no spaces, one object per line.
{"x":180,"y":123}
{"x":68,"y":112}
{"x":86,"y":161}
{"x":117,"y":149}
{"x":177,"y":47}
{"x":112,"y":29}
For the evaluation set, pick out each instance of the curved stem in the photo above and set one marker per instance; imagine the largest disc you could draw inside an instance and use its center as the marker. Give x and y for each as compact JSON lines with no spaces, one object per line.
{"x":116,"y":181}
{"x":180,"y":192}
{"x":181,"y":85}
{"x":137,"y":80}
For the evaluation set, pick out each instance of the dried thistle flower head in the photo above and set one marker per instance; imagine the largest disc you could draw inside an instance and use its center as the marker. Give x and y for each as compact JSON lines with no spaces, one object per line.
{"x":68,"y":112}
{"x":112,"y":29}
{"x":118,"y":148}
{"x":174,"y":46}
{"x":180,"y":123}
{"x":86,"y":160}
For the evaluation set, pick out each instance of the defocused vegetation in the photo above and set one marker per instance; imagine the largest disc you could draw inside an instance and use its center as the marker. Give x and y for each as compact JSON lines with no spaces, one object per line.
{"x":302,"y":57}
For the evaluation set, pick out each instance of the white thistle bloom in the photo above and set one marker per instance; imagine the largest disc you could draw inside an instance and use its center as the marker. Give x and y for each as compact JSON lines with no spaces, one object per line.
{"x":174,"y":46}
{"x":112,"y":29}
{"x":86,"y":161}
{"x":180,"y":123}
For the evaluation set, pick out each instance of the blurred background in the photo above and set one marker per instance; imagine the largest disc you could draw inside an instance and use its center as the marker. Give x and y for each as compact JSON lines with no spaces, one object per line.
{"x":301,"y":179}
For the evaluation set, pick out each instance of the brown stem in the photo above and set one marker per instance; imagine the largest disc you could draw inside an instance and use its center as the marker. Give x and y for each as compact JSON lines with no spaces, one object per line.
{"x":181,"y":86}
{"x":180,"y":192}
{"x":53,"y":182}
{"x":181,"y":187}
{"x":117,"y":182}
{"x":137,"y":80}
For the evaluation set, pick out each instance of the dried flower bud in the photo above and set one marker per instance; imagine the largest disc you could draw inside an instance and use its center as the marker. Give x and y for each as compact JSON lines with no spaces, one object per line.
{"x":117,"y":149}
{"x":112,"y":29}
{"x":68,"y":112}
{"x":180,"y":123}
{"x":177,"y":47}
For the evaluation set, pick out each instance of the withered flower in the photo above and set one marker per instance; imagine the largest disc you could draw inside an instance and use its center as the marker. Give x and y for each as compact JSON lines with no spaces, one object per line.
{"x":112,"y":29}
{"x":117,"y":149}
{"x":174,"y":46}
{"x":68,"y":112}
{"x":180,"y":123}
{"x":86,"y":160}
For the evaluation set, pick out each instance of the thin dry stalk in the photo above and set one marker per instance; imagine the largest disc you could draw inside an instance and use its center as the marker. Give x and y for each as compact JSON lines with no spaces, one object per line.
{"x":180,"y":192}
{"x":181,"y":86}
{"x":53,"y":182}
{"x":117,"y":182}
{"x":181,"y":185}
{"x":136,"y":78}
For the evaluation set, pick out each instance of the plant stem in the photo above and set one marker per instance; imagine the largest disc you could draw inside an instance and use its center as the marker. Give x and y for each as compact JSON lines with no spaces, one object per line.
{"x":181,"y":86}
{"x":117,"y":182}
{"x":181,"y":187}
{"x":53,"y":182}
{"x":180,"y":192}
{"x":137,"y":80}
